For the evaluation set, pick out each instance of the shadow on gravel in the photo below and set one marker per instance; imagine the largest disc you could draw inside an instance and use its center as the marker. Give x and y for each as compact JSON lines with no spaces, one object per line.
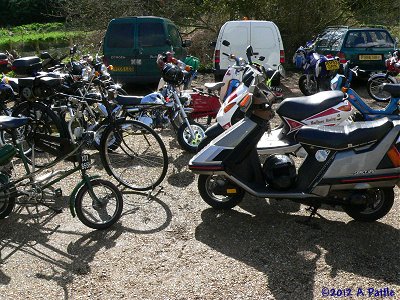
{"x":146,"y":212}
{"x":287,"y":252}
{"x":181,"y":176}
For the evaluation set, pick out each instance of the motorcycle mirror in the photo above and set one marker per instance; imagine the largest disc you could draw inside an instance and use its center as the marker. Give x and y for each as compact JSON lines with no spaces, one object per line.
{"x":262,"y":58}
{"x":225,"y":43}
{"x":249,"y":53}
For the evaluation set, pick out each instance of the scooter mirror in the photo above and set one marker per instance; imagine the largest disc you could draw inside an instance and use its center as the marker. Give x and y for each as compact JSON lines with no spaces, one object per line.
{"x":249,"y":53}
{"x":261,"y":58}
{"x":226,"y":43}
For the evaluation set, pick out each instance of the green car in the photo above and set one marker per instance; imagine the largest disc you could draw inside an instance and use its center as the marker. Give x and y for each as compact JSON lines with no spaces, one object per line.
{"x":131,"y":46}
{"x":366,"y":47}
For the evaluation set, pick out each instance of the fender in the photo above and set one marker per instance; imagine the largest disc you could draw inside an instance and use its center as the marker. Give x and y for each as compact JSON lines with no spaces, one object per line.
{"x":72,"y":197}
{"x":214,"y":130}
{"x":382,"y":75}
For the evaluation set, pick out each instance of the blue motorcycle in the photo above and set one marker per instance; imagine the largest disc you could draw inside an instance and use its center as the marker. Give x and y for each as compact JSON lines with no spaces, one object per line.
{"x":366,"y":113}
{"x":318,"y":69}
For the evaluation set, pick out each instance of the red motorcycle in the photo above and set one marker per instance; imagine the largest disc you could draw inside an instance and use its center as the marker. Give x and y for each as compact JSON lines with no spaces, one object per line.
{"x":376,"y":81}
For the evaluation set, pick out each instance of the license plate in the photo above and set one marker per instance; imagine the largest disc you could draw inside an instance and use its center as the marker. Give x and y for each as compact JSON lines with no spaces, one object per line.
{"x":85,"y":161}
{"x":370,"y":57}
{"x":123,"y":68}
{"x":332,"y":65}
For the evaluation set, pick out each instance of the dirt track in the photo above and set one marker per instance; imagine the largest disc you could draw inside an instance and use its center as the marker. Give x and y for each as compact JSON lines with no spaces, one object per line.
{"x":173,"y":246}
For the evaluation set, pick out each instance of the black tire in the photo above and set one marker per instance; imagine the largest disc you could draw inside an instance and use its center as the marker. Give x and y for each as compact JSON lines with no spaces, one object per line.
{"x":374,"y":84}
{"x":383,"y":200}
{"x":140,"y":161}
{"x":207,"y":184}
{"x":92,"y":215}
{"x":185,"y":139}
{"x":204,"y":143}
{"x":307,"y":91}
{"x":358,"y":117}
{"x":44,"y":121}
{"x":7,"y":203}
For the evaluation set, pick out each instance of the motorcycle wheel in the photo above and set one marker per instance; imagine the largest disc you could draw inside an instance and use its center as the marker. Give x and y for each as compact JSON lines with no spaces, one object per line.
{"x":308,"y":90}
{"x":380,"y":203}
{"x":185,"y":139}
{"x":374,"y":84}
{"x":208,"y":186}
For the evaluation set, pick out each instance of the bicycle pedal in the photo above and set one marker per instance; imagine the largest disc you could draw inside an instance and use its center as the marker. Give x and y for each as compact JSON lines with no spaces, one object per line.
{"x":58,"y":192}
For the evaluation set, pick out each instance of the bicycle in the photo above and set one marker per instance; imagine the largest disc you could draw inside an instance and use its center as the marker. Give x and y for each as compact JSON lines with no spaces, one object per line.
{"x":93,"y":207}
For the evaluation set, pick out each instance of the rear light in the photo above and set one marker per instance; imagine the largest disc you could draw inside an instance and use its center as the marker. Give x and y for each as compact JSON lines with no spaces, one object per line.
{"x":342,"y":57}
{"x":229,"y":106}
{"x":282,"y":57}
{"x":394,"y":156}
{"x":217,"y":57}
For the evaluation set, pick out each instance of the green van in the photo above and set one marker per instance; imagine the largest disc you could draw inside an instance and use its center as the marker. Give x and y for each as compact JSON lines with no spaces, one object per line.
{"x":131,"y":46}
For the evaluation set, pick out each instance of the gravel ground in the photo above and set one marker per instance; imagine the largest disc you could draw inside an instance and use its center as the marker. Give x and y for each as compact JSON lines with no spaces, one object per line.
{"x":172,"y":245}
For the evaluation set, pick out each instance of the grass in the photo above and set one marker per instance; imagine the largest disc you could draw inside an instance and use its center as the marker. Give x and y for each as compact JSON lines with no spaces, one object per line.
{"x":34,"y":37}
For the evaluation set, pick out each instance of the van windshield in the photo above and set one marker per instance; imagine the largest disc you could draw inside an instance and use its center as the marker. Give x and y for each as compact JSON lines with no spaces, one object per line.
{"x":151,"y":35}
{"x":120,"y":35}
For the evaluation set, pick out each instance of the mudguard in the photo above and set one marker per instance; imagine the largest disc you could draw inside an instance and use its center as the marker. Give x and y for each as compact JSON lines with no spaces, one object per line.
{"x":72,"y":197}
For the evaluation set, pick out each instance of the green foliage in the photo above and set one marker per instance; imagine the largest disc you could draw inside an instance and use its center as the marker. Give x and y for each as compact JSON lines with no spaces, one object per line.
{"x":35,"y":36}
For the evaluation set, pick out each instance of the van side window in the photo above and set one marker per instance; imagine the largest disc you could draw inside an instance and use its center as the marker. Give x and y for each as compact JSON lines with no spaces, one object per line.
{"x":176,"y":39}
{"x":151,"y":35}
{"x":120,"y":35}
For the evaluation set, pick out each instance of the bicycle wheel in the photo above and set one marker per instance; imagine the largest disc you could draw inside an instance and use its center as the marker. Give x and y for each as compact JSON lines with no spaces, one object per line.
{"x":7,"y":201}
{"x":138,"y":157}
{"x":45,"y":122}
{"x":374,"y":87}
{"x":102,"y":212}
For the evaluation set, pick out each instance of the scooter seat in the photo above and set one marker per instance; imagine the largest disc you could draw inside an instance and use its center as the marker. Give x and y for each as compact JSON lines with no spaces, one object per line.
{"x":300,"y":108}
{"x":392,"y":89}
{"x":214,"y":86}
{"x":344,"y":137}
{"x":128,"y":100}
{"x":7,"y":122}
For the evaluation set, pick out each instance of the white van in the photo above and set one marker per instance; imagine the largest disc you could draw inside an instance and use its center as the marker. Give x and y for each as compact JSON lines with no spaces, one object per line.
{"x":263,"y":36}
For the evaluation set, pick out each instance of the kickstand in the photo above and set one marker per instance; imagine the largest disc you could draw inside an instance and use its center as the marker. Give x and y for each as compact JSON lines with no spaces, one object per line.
{"x":158,"y":190}
{"x":313,"y":210}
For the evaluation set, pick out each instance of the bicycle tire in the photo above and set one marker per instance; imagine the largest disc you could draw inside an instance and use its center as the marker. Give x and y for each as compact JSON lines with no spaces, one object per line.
{"x":45,"y":121}
{"x":92,"y":214}
{"x":6,"y":203}
{"x":140,"y":161}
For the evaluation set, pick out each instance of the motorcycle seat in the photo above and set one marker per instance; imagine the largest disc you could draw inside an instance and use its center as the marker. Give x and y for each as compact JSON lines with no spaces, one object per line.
{"x":128,"y":100}
{"x":7,"y":122}
{"x":214,"y":86}
{"x":300,"y":108}
{"x":50,"y":81}
{"x":344,"y":137}
{"x":392,"y":89}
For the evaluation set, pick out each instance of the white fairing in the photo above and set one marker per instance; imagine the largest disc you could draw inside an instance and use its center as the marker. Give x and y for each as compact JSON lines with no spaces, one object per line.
{"x":224,"y":118}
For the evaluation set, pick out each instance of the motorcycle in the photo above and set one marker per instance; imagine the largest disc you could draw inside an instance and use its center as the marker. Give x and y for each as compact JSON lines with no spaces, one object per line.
{"x":325,"y":108}
{"x":355,"y":166}
{"x":318,"y":70}
{"x":342,"y":82}
{"x":375,"y":82}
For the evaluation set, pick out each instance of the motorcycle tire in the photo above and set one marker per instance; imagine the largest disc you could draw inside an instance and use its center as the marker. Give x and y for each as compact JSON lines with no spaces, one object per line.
{"x":308,"y":91}
{"x":366,"y":213}
{"x":374,"y":84}
{"x":184,"y":137}
{"x":207,"y":185}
